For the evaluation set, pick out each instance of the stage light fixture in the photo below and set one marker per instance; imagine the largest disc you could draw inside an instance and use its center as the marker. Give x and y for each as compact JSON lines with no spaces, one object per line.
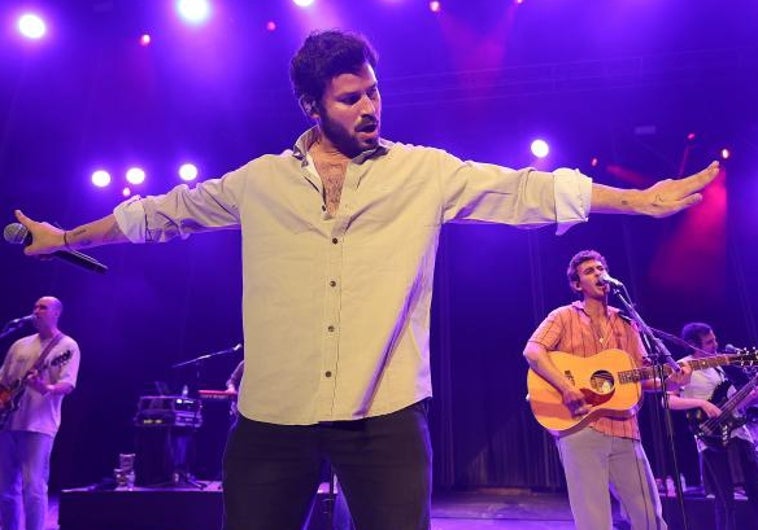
{"x":303,"y":3}
{"x":188,"y":172}
{"x":435,"y":6}
{"x":539,"y":148}
{"x":145,"y":39}
{"x":725,"y":153}
{"x":126,"y":192}
{"x":194,"y":11}
{"x":135,"y":175}
{"x":270,"y":25}
{"x":31,"y":26}
{"x":101,"y":178}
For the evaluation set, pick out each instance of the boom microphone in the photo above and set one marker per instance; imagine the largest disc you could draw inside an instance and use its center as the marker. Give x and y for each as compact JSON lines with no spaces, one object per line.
{"x":607,"y":278}
{"x":18,"y":234}
{"x":20,"y":321}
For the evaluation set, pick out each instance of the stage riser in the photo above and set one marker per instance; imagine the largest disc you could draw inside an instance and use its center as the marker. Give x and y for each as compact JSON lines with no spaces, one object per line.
{"x":154,"y":509}
{"x":700,"y":514}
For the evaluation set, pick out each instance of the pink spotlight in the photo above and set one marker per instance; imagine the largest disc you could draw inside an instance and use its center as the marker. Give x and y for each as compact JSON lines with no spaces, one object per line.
{"x":32,"y":26}
{"x":145,"y":39}
{"x":303,"y":3}
{"x":725,"y":153}
{"x":135,"y":175}
{"x":539,"y":148}
{"x":435,"y":6}
{"x":188,"y":172}
{"x":594,"y":161}
{"x":126,"y":192}
{"x":691,"y":136}
{"x":101,"y":178}
{"x":271,"y":25}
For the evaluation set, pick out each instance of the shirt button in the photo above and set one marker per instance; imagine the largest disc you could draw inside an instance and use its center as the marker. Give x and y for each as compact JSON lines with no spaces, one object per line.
{"x":335,"y":240}
{"x":333,"y":283}
{"x":330,"y":328}
{"x":328,"y":373}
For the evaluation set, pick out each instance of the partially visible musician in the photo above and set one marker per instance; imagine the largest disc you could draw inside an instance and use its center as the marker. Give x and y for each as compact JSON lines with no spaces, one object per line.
{"x":233,"y":385}
{"x":607,"y":452}
{"x":714,"y":384}
{"x":26,"y":439}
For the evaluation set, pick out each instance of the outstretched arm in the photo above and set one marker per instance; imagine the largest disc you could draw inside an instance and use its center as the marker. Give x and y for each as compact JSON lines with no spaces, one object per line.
{"x":47,"y":238}
{"x":664,"y":198}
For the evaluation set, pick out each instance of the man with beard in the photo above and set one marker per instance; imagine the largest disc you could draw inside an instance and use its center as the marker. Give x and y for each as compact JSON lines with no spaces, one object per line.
{"x":715,"y":457}
{"x":339,"y":240}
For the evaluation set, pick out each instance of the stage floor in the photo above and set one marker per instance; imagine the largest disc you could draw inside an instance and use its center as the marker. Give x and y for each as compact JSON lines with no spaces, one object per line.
{"x":485,"y":509}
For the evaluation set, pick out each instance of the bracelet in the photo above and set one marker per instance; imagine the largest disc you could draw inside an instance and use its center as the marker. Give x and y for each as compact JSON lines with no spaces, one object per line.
{"x":65,"y":240}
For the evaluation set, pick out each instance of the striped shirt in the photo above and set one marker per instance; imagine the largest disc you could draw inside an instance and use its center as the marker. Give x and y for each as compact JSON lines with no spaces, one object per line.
{"x":568,"y":329}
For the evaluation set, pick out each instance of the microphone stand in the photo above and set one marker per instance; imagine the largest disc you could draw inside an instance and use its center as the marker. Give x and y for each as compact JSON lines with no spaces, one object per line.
{"x":10,"y":328}
{"x":662,"y":361}
{"x":197,"y":363}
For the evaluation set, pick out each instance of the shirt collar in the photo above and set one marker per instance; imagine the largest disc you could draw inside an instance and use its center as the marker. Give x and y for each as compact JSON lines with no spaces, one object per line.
{"x":300,"y":149}
{"x":579,"y":306}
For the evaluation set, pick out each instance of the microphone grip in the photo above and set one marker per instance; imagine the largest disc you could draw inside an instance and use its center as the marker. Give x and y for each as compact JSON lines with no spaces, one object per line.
{"x":81,"y":260}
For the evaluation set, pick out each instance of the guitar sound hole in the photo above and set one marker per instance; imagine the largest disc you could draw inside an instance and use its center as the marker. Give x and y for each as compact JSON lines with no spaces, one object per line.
{"x":602,"y":382}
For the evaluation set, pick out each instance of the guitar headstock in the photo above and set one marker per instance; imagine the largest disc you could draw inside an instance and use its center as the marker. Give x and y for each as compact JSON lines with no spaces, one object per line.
{"x":744,"y":357}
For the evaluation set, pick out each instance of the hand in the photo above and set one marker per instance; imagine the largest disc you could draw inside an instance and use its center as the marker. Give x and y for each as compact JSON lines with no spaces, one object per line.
{"x":680,"y":378}
{"x":710,"y":409}
{"x":669,"y":196}
{"x":46,"y":238}
{"x":34,"y":381}
{"x":574,"y":400}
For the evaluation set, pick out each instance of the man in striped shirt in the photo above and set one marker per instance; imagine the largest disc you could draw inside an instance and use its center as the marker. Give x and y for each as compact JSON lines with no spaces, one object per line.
{"x":607,"y":453}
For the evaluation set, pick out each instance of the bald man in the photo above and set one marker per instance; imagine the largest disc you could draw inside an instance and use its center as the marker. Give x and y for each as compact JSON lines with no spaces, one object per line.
{"x":43,"y":367}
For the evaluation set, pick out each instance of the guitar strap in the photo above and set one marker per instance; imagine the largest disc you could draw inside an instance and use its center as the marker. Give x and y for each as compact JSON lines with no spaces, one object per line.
{"x":38,"y":364}
{"x":43,"y":356}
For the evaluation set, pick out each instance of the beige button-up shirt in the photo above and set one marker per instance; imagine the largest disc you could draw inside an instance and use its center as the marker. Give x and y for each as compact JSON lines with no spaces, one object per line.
{"x":336,"y":309}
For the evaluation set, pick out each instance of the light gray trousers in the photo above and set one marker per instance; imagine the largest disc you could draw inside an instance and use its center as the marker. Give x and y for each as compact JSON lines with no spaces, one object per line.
{"x":594,"y":463}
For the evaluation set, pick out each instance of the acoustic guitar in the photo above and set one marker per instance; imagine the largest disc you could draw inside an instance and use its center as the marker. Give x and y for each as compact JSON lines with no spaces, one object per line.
{"x":610,"y":382}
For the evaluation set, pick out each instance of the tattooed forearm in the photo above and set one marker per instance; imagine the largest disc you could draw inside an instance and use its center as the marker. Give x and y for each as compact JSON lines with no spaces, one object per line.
{"x":101,"y":232}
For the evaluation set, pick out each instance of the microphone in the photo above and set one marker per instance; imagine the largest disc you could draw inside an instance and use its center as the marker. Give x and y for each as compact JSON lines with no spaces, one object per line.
{"x":21,"y":320}
{"x":731,"y":348}
{"x":18,"y":234}
{"x":607,"y":278}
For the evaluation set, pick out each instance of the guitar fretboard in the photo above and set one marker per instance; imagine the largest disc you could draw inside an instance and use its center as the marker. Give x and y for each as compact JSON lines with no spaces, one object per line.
{"x":648,"y":372}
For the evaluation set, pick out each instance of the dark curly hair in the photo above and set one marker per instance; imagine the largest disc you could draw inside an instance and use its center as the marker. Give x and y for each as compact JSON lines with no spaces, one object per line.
{"x":580,"y":257}
{"x":694,"y":332}
{"x":324,"y":55}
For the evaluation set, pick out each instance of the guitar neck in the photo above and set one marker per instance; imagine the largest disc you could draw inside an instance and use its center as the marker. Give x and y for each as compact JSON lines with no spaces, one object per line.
{"x":649,"y":372}
{"x":738,"y":397}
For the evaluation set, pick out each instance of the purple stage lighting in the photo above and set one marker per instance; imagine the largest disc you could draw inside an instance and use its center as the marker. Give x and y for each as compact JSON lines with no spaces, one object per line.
{"x":194,"y":11}
{"x":188,"y":172}
{"x":135,"y":175}
{"x":435,"y":6}
{"x":303,"y":3}
{"x":540,"y":149}
{"x":101,"y":178}
{"x":31,"y":26}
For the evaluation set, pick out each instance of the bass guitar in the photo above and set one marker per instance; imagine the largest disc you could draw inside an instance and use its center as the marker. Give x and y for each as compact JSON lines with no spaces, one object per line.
{"x":715,"y":432}
{"x":610,"y":382}
{"x":10,"y":396}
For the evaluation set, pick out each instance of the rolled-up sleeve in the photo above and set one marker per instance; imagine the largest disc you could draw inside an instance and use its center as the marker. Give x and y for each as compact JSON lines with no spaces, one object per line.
{"x":526,"y":197}
{"x":211,"y":205}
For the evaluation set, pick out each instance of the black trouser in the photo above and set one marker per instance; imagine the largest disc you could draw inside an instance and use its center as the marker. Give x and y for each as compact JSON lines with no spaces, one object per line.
{"x":271,"y":472}
{"x":718,"y":473}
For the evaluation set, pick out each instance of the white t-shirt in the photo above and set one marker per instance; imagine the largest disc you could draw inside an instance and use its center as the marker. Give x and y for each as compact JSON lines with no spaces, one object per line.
{"x":37,"y":412}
